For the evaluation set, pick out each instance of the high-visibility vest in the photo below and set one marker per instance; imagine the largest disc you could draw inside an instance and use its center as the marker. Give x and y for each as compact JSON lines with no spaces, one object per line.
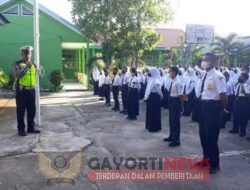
{"x":29,"y":78}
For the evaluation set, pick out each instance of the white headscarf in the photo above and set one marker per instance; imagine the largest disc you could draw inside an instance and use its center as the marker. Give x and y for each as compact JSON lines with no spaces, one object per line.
{"x":96,"y":74}
{"x":154,"y":80}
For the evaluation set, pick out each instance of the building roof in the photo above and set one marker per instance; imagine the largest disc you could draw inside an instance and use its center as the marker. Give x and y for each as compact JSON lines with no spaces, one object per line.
{"x":49,"y":13}
{"x":170,"y":37}
{"x":3,"y":20}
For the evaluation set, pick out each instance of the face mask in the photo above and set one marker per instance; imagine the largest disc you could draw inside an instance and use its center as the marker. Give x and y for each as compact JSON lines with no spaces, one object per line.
{"x":204,"y":65}
{"x":149,"y":74}
{"x":240,"y":80}
{"x":123,"y":72}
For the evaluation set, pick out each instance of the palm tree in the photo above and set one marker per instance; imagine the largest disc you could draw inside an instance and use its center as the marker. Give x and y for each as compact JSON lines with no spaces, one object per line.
{"x":227,"y":47}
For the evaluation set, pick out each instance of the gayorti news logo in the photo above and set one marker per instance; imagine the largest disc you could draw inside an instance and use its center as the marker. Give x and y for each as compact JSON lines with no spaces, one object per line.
{"x":64,"y":169}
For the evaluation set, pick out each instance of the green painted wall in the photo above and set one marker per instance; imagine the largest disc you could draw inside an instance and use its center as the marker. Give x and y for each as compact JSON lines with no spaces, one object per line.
{"x":20,"y":32}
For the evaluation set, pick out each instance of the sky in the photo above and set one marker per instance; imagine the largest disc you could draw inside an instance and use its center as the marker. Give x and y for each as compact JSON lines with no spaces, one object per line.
{"x":225,"y":15}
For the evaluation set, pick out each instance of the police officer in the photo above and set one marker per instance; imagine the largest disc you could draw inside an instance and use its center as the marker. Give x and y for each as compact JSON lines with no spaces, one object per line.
{"x":25,"y":73}
{"x":213,"y":100}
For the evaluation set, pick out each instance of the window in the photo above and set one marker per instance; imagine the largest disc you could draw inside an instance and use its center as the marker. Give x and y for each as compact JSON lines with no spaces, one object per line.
{"x":12,"y":11}
{"x":26,"y":11}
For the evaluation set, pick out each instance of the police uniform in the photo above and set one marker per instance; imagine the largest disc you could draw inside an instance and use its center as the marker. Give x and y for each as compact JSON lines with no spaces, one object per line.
{"x":124,"y":89}
{"x":240,"y":112}
{"x":115,"y":90}
{"x":25,"y":93}
{"x":213,"y":84}
{"x":133,"y":98}
{"x":175,"y":108}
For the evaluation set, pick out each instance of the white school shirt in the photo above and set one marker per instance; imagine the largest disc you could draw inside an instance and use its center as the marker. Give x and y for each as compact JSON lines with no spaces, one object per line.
{"x":116,"y":81}
{"x":134,"y":82}
{"x":214,"y":85}
{"x":189,"y":85}
{"x":177,"y":88}
{"x":243,"y":89}
{"x":125,"y":79}
{"x":107,"y":80}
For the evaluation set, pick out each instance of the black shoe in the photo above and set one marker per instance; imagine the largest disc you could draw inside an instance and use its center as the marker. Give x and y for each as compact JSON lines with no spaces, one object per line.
{"x":167,"y":139}
{"x":116,"y":109}
{"x":201,"y":164}
{"x":242,"y":135}
{"x":248,"y":138}
{"x":113,"y":109}
{"x":131,"y":118}
{"x":174,"y":144}
{"x":214,"y":170}
{"x":123,"y":111}
{"x":233,"y":131}
{"x":34,"y":131}
{"x":101,"y":99}
{"x":108,"y":105}
{"x":22,"y":133}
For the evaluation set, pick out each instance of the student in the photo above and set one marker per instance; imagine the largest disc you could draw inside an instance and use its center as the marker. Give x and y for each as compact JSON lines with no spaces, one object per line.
{"x":141,"y":79}
{"x":189,"y":92}
{"x":124,"y":89}
{"x":101,"y":85}
{"x":133,"y":96}
{"x":107,"y":83}
{"x":95,"y":77}
{"x":115,"y":89}
{"x":175,"y":108}
{"x":240,"y":112}
{"x":163,"y":77}
{"x":226,"y":114}
{"x":153,"y":97}
{"x":197,"y":100}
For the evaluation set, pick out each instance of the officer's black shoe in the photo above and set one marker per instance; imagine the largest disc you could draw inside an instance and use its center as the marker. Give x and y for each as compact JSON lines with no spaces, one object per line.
{"x":108,"y":105}
{"x":101,"y":99}
{"x":233,"y":131}
{"x":174,"y":144}
{"x":116,"y":109}
{"x":113,"y":109}
{"x":248,"y":138}
{"x":123,"y":111}
{"x":214,"y":170}
{"x":34,"y":131}
{"x":167,"y":139}
{"x":22,"y":133}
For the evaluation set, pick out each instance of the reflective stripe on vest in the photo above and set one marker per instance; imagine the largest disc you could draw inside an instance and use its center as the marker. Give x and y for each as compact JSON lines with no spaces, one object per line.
{"x":29,"y":79}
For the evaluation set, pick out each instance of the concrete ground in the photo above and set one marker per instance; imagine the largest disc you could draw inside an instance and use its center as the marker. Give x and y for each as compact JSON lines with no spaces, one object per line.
{"x":74,"y":121}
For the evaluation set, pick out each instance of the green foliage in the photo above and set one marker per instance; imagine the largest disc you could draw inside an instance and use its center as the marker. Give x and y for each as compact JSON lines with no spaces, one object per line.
{"x":227,"y":47}
{"x":56,"y":78}
{"x":4,"y":79}
{"x":121,"y":25}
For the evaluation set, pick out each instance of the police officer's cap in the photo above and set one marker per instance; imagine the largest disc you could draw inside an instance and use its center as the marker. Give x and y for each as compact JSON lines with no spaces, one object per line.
{"x":26,"y":49}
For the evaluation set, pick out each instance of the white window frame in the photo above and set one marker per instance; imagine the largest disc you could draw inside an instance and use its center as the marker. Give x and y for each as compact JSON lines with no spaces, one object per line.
{"x":26,"y":8}
{"x":18,"y":14}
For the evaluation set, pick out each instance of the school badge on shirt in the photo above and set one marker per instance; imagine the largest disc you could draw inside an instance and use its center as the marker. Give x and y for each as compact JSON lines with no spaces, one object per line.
{"x":61,"y":169}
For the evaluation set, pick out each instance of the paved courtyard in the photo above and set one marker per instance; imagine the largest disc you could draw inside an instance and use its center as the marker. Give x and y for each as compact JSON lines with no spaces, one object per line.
{"x":74,"y":121}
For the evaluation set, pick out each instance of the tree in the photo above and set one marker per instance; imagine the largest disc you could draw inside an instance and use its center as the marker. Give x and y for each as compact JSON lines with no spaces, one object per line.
{"x":227,"y":47}
{"x":121,"y":25}
{"x":3,"y":77}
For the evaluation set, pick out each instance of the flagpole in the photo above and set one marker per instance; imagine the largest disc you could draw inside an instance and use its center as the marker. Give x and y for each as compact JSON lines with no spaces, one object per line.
{"x":37,"y":58}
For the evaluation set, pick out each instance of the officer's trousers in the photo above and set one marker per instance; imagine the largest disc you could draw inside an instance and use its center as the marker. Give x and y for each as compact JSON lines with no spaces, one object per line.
{"x":174,"y":118}
{"x":25,"y":100}
{"x":209,"y":129}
